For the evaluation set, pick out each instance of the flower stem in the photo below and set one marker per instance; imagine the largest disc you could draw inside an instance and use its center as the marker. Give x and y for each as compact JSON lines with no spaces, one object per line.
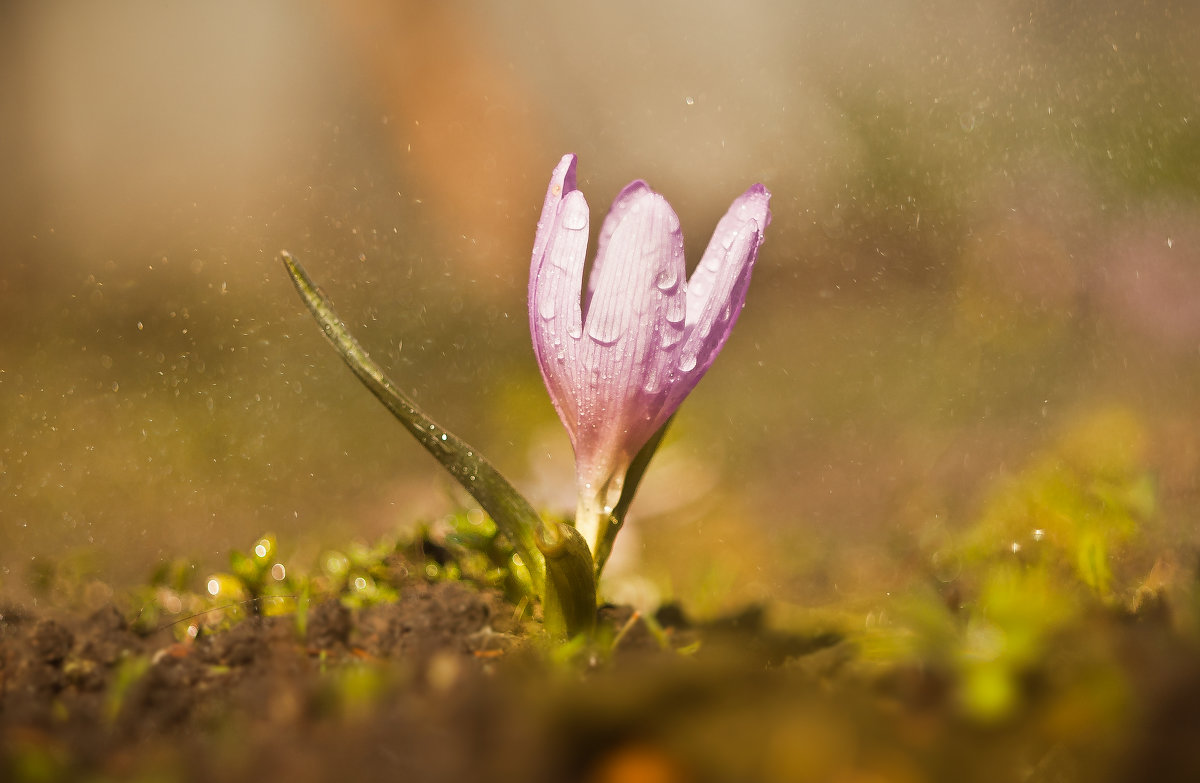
{"x":590,"y":518}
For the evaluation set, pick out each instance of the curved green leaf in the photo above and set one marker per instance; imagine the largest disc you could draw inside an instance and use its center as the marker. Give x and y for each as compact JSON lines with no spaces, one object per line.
{"x":510,"y":510}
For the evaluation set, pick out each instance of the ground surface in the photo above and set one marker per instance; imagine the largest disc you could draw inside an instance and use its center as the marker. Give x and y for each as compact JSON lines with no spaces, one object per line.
{"x":443,"y":684}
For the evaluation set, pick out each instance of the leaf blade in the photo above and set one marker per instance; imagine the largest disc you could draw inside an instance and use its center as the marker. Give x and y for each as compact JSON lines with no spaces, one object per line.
{"x":494,"y":493}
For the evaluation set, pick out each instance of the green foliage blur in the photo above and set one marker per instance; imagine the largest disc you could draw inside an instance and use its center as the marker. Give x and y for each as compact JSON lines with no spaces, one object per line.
{"x":1020,"y":610}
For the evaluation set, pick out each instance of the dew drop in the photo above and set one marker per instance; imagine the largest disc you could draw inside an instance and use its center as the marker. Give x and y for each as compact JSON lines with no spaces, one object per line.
{"x":670,"y":338}
{"x":687,"y":362}
{"x":727,"y":239}
{"x":575,"y":331}
{"x":605,"y":331}
{"x":546,"y":304}
{"x":667,"y":279}
{"x":575,"y":219}
{"x":612,"y":494}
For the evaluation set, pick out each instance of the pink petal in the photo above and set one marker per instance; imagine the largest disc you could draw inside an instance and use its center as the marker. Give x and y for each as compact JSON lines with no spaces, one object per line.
{"x":632,"y":332}
{"x":621,"y":205}
{"x":751,"y":205}
{"x":717,"y":315}
{"x":555,"y":320}
{"x":562,"y":182}
{"x":717,"y":288}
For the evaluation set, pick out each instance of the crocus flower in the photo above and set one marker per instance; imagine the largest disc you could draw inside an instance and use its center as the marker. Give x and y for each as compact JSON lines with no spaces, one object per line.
{"x":620,"y":362}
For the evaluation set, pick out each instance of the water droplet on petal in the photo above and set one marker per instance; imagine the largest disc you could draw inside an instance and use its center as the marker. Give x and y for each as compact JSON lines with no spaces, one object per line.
{"x":667,"y":279}
{"x":605,"y":331}
{"x":546,"y":304}
{"x":727,"y":239}
{"x":575,"y":331}
{"x":670,"y":337}
{"x":687,"y":362}
{"x":575,"y":219}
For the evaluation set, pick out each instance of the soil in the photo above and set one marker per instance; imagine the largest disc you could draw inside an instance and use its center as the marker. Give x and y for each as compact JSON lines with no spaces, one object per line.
{"x":444,"y":685}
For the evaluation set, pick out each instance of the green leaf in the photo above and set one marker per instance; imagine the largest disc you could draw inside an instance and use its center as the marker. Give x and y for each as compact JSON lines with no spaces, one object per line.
{"x":510,"y":510}
{"x":633,"y":477}
{"x":569,"y":607}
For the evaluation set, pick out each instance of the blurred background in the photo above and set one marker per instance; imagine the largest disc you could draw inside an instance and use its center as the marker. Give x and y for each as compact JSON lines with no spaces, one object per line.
{"x":986,"y":240}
